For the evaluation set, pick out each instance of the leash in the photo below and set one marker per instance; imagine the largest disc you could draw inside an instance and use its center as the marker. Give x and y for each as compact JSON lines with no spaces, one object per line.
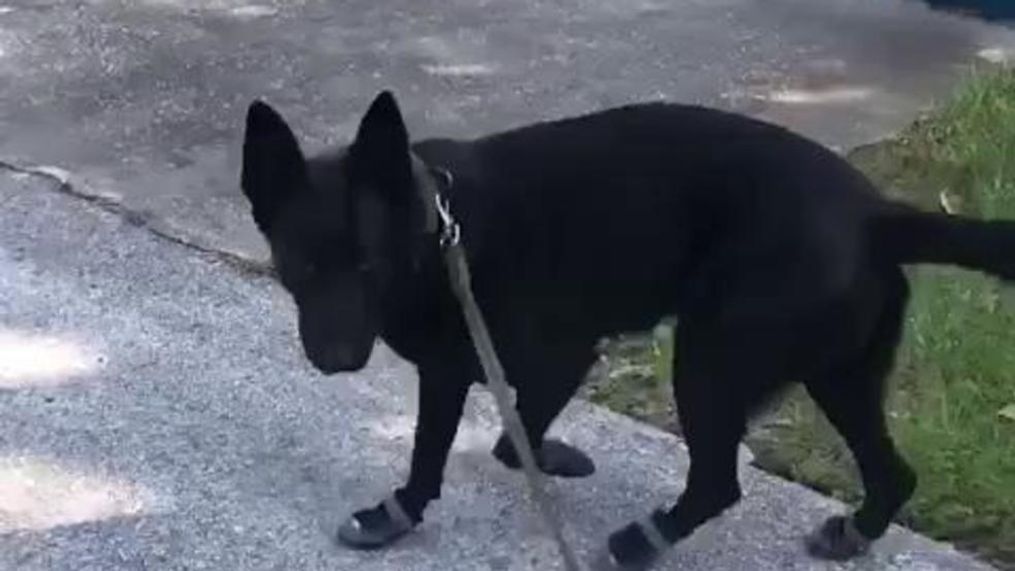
{"x":461,"y":283}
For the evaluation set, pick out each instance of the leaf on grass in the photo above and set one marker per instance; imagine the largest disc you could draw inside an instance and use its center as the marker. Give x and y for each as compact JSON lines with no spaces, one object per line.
{"x":949,"y":204}
{"x":1008,"y":412}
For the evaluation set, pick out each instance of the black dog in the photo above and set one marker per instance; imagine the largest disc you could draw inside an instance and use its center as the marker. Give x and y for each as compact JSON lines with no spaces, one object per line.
{"x":781,"y":262}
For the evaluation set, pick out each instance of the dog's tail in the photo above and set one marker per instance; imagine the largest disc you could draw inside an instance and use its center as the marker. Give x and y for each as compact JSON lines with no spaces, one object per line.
{"x":904,"y":235}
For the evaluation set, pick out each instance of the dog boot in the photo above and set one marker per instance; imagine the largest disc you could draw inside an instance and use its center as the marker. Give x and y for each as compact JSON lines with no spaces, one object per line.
{"x":377,"y":527}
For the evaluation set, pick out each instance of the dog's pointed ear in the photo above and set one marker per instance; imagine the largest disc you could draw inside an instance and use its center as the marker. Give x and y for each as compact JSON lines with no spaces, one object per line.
{"x":381,"y":148}
{"x":273,"y":164}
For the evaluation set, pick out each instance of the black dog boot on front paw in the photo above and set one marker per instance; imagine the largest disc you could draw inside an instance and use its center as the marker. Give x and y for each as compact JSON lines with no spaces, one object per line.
{"x":376,"y":527}
{"x":637,"y":546}
{"x":837,"y":540}
{"x":554,"y":458}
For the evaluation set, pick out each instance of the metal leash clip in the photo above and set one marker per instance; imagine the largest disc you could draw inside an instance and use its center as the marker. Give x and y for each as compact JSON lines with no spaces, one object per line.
{"x":451,"y":232}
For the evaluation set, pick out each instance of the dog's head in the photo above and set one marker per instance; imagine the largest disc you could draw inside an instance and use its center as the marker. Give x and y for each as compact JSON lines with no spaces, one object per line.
{"x":340,"y":226}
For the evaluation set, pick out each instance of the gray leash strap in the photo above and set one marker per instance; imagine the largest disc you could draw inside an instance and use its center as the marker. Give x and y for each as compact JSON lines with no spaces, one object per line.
{"x":461,"y":283}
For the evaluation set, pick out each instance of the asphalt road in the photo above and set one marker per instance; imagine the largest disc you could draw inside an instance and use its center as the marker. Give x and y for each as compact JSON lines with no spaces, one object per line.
{"x":142,"y":100}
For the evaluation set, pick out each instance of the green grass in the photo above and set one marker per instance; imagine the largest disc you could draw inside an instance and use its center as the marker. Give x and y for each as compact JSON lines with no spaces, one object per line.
{"x":955,"y":372}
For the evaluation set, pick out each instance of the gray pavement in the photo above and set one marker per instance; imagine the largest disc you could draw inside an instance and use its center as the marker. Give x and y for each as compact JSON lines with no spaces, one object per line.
{"x":156,"y":413}
{"x":155,"y":410}
{"x":142,"y":100}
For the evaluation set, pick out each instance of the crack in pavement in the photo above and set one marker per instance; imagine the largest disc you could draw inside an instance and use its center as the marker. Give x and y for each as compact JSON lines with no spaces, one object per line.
{"x":64,"y":186}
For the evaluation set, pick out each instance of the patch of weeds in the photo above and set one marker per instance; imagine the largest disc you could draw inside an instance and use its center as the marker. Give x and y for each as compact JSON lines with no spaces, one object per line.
{"x":636,"y":378}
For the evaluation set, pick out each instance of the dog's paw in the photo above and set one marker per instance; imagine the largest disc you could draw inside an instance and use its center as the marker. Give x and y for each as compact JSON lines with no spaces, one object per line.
{"x":376,"y":527}
{"x":636,"y":546}
{"x":554,"y":458}
{"x":837,"y":539}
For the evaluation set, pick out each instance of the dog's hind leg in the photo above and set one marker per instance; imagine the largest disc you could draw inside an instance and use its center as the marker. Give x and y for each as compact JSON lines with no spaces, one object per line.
{"x":713,"y":419}
{"x":546,"y":386}
{"x":851,"y":398}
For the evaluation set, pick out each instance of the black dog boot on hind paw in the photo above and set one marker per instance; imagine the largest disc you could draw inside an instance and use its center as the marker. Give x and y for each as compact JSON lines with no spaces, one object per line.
{"x":376,"y":527}
{"x":554,"y":458}
{"x":837,"y":539}
{"x":635,"y":547}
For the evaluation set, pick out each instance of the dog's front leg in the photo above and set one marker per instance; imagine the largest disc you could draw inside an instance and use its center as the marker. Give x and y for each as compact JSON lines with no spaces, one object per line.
{"x":442,"y":395}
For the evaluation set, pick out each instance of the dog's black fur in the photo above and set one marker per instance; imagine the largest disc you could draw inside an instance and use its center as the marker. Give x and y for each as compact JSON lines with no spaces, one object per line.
{"x":781,"y":262}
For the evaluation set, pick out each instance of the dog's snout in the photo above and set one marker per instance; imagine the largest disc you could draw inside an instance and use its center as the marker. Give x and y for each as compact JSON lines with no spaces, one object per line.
{"x":338,"y":358}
